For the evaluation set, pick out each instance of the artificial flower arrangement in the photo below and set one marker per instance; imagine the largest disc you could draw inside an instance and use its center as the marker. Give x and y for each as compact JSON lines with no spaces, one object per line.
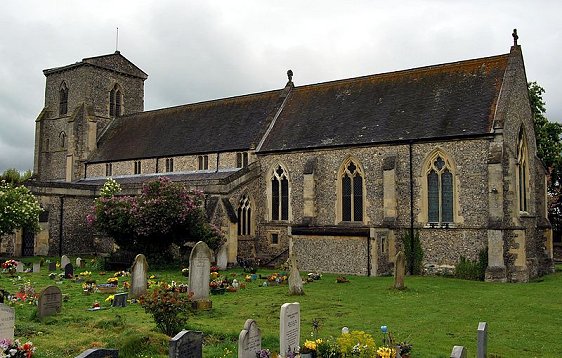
{"x":14,"y":348}
{"x":10,"y":266}
{"x":85,"y":273}
{"x":113,"y":281}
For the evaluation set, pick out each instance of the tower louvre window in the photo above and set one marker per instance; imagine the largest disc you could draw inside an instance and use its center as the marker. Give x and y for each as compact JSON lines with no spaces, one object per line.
{"x":63,"y":99}
{"x":115,"y":102}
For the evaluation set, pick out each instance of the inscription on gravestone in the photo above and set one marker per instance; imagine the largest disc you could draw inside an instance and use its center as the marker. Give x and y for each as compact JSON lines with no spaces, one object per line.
{"x":50,"y":301}
{"x":290,"y":328}
{"x":36,"y":267}
{"x":199,"y":271}
{"x":99,"y":353}
{"x":249,"y":340}
{"x":119,"y":300}
{"x":138,"y":276}
{"x":7,"y":322}
{"x":186,"y":344}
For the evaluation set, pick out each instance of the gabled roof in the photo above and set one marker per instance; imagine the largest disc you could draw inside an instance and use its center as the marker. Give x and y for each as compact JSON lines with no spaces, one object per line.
{"x":231,"y":124}
{"x":114,"y":62}
{"x":448,"y":100}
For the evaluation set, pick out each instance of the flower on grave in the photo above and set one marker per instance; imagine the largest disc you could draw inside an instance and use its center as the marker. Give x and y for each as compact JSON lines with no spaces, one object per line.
{"x":121,"y":274}
{"x":85,"y":273}
{"x":126,"y":285}
{"x":214,"y":269}
{"x":58,"y":265}
{"x":9,"y":264}
{"x":110,"y":298}
{"x":386,"y":352}
{"x":214,"y":275}
{"x":113,"y":281}
{"x":96,"y":304}
{"x":263,"y":353}
{"x":9,"y":348}
{"x":357,"y":343}
{"x":52,"y":275}
{"x":310,"y":346}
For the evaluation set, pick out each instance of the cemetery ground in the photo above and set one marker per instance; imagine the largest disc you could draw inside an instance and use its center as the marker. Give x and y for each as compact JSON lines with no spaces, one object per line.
{"x":432,"y":313}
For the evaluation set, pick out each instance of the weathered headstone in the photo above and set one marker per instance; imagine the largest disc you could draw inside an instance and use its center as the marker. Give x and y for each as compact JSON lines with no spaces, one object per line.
{"x":399,"y":270}
{"x":119,"y":300}
{"x":64,"y":260}
{"x":482,"y":348}
{"x":79,"y":263}
{"x":19,"y":266}
{"x":138,"y":276}
{"x":99,"y":353}
{"x":295,"y":280}
{"x":458,"y":352}
{"x":7,"y":322}
{"x":222,"y":257}
{"x":68,"y":270}
{"x":50,"y":301}
{"x":199,"y":272}
{"x":52,"y":266}
{"x":249,"y":340}
{"x":36,"y":267}
{"x":187,"y":344}
{"x":289,"y":328}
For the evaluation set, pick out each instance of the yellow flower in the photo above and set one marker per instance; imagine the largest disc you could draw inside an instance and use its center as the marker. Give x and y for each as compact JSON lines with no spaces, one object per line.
{"x":310,"y":344}
{"x":110,"y":298}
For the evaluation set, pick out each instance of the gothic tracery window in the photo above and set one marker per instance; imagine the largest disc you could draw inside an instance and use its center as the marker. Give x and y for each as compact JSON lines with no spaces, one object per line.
{"x":522,"y":171}
{"x":244,"y":216}
{"x":439,"y":191}
{"x":352,"y":198}
{"x":279,"y":195}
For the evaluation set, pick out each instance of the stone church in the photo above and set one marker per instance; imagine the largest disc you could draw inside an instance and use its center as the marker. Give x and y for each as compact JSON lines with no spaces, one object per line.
{"x":338,"y":171}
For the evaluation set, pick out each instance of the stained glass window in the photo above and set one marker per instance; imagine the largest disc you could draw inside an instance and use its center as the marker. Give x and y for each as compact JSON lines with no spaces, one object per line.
{"x":440,"y":193}
{"x":352,"y":193}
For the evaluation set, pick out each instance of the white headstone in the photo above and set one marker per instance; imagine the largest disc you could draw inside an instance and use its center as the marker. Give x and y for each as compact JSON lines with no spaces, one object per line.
{"x":482,"y":349}
{"x":199,"y":271}
{"x":458,"y":352}
{"x":64,"y":260}
{"x":36,"y":267}
{"x":249,"y":340}
{"x":79,"y":262}
{"x":7,"y":322}
{"x":19,"y":266}
{"x":289,"y":328}
{"x":222,"y":257}
{"x":138,"y":276}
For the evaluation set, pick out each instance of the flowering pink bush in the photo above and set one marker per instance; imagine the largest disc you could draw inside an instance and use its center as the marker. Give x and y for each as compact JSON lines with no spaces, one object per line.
{"x":164,"y":213}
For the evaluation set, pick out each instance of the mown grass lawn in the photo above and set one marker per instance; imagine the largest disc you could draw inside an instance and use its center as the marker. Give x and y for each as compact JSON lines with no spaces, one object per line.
{"x":433,"y":313}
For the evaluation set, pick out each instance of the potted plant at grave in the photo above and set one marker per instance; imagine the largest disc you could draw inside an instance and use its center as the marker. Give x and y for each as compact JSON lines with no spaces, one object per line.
{"x":308,"y":350}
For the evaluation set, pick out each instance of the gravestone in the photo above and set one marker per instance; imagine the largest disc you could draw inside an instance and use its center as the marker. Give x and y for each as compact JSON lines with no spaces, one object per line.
{"x":186,"y":344}
{"x":458,"y":352}
{"x":222,"y":257}
{"x":79,"y":263}
{"x":399,"y":270}
{"x":64,"y":260}
{"x":50,"y":301}
{"x":295,"y":280}
{"x":99,"y":353}
{"x":289,"y":328}
{"x":119,"y":300}
{"x":19,"y":266}
{"x":249,"y":340}
{"x":7,"y":322}
{"x":36,"y":267}
{"x":199,"y":272}
{"x":68,"y":270}
{"x":52,"y":266}
{"x":482,"y":347}
{"x":138,"y":276}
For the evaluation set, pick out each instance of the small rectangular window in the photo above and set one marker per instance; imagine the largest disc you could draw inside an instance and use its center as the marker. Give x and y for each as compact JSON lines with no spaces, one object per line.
{"x":238,"y":160}
{"x":245,"y":159}
{"x":274,"y":238}
{"x":169,"y":164}
{"x":137,"y":167}
{"x":108,"y":169}
{"x":203,"y":162}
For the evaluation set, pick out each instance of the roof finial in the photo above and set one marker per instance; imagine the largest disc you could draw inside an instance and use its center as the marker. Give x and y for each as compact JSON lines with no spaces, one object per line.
{"x":515,"y":37}
{"x":117,"y":41}
{"x":290,"y":75}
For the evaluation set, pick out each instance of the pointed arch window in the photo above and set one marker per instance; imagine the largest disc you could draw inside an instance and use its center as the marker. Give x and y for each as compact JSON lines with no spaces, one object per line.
{"x":352,"y":198}
{"x":440,"y":193}
{"x":63,"y":99}
{"x":279,"y":194}
{"x":244,"y":216}
{"x":115,"y":102}
{"x":62,"y":139}
{"x":522,"y":171}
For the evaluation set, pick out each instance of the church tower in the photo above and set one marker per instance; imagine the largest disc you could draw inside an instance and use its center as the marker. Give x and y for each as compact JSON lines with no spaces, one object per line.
{"x":80,"y":101}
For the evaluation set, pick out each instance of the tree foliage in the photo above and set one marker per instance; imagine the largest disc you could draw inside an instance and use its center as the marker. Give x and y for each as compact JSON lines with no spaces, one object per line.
{"x":13,"y":176}
{"x":18,"y":208}
{"x":164,"y":213}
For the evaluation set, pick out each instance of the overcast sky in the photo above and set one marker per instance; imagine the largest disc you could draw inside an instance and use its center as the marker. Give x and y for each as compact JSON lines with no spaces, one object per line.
{"x":200,"y":50}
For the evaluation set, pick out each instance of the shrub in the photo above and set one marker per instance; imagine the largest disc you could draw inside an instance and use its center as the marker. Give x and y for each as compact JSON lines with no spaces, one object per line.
{"x":413,"y":252}
{"x":473,"y":270}
{"x":357,"y":343}
{"x":169,"y":309}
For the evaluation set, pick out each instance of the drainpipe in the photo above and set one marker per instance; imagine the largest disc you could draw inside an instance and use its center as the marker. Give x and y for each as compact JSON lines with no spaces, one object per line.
{"x":61,"y":223}
{"x":411,"y":243}
{"x":369,"y":255}
{"x":218,"y":154}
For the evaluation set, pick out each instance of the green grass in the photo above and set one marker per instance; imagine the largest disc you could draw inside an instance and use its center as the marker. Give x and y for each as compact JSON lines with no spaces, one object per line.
{"x":433,"y":313}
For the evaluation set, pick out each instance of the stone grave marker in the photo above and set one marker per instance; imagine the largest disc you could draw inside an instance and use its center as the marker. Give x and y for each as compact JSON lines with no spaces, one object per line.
{"x":249,"y":340}
{"x":119,"y":300}
{"x":222,"y":257}
{"x":482,"y":346}
{"x":187,"y":344}
{"x":295,"y":280}
{"x":7,"y":322}
{"x":64,"y":260}
{"x":138,"y":276}
{"x":36,"y":267}
{"x":289,"y":328}
{"x":68,"y":270}
{"x":79,"y":263}
{"x":458,"y":352}
{"x":199,"y":271}
{"x":399,"y":270}
{"x":19,"y":266}
{"x":99,"y":353}
{"x":52,"y":266}
{"x":50,"y":301}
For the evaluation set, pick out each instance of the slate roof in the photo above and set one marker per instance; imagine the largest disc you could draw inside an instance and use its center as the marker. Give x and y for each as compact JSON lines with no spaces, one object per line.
{"x":175,"y":176}
{"x":114,"y":62}
{"x":449,"y":100}
{"x":231,"y":124}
